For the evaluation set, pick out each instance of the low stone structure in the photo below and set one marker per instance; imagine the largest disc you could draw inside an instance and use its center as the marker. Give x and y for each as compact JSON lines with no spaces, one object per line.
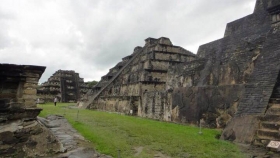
{"x":66,"y":85}
{"x":231,"y":83}
{"x":20,"y":133}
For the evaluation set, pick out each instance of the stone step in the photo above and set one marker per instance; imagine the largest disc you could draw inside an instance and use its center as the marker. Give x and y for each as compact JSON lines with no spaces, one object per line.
{"x":274,"y":100}
{"x":264,"y":138}
{"x":274,"y":109}
{"x":274,"y":105}
{"x":271,"y":118}
{"x":270,"y":125}
{"x":268,"y":134}
{"x":261,"y":142}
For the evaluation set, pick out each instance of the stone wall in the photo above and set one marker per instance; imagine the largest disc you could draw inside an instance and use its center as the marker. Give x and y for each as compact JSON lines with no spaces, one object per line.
{"x":18,"y":92}
{"x":154,"y":105}
{"x":20,"y":133}
{"x":259,"y":88}
{"x":243,"y":65}
{"x":125,"y":104}
{"x":214,"y":105}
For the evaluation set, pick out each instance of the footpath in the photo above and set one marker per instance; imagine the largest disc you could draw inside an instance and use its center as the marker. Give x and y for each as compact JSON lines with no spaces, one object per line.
{"x":72,"y":144}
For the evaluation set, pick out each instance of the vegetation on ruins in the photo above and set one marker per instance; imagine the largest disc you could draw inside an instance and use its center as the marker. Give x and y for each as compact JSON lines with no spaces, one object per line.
{"x":113,"y":134}
{"x":91,"y":83}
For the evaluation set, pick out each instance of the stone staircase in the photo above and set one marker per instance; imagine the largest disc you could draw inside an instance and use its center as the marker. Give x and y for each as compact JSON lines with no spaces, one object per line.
{"x":91,"y":99}
{"x":270,"y":124}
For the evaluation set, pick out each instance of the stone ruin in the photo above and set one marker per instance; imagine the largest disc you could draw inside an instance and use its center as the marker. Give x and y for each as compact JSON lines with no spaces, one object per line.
{"x":66,"y":85}
{"x":231,"y":83}
{"x":131,"y":85}
{"x":20,"y":133}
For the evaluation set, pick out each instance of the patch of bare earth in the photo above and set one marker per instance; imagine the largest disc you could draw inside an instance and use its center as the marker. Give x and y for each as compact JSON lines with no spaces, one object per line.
{"x":138,"y":150}
{"x":160,"y":155}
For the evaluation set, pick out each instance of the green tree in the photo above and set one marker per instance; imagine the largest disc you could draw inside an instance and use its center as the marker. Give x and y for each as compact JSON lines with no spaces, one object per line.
{"x":91,"y":83}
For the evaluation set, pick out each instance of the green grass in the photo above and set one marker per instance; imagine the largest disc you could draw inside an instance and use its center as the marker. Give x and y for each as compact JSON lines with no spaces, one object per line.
{"x":110,"y":132}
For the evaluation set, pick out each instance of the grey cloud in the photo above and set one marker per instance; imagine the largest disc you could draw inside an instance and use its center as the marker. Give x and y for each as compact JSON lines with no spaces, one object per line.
{"x":92,"y":36}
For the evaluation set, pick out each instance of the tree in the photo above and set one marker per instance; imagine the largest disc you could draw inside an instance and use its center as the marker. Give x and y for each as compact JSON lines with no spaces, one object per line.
{"x":91,"y":83}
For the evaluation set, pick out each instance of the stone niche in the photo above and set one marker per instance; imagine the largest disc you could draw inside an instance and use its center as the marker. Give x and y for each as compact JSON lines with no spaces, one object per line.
{"x":20,"y":133}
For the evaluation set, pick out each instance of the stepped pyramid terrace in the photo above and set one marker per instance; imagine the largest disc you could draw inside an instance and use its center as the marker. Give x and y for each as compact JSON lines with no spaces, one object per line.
{"x":66,"y":85}
{"x":231,"y":83}
{"x":138,"y":76}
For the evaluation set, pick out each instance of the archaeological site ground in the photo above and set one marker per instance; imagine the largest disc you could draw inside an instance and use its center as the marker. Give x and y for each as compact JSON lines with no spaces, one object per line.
{"x":231,"y":84}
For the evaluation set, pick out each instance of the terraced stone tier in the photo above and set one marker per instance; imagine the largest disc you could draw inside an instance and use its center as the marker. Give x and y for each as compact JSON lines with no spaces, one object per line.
{"x":271,"y":125}
{"x":266,"y":133}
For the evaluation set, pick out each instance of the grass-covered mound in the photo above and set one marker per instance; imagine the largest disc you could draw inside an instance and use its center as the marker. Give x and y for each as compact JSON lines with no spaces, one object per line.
{"x":114,"y":134}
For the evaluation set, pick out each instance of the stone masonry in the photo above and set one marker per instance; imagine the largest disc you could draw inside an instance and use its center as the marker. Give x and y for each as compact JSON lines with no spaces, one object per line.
{"x":232,"y":83}
{"x":20,"y":133}
{"x":129,"y":86}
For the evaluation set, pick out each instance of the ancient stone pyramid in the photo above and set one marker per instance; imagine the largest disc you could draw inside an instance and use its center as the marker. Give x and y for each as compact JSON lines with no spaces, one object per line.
{"x":231,"y":83}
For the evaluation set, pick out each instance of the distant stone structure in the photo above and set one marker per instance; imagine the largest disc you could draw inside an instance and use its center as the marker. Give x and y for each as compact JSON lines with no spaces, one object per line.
{"x":231,"y":83}
{"x":20,"y":133}
{"x":66,"y":85}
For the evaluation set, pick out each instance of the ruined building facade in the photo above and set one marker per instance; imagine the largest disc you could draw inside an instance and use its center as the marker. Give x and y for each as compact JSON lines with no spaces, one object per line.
{"x":20,"y":133}
{"x":66,"y":85}
{"x":232,"y":83}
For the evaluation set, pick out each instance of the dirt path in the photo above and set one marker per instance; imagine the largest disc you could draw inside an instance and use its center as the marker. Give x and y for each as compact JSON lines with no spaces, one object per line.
{"x":73,"y":145}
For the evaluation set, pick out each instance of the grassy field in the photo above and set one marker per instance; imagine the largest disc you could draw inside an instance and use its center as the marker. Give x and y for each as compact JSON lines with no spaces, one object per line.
{"x":139,"y":137}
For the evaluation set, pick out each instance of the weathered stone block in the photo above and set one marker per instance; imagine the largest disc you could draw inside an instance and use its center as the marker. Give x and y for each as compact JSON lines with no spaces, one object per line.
{"x":30,"y":85}
{"x":241,"y":129}
{"x":8,"y":137}
{"x":32,"y":80}
{"x":15,"y":106}
{"x":4,"y":147}
{"x":29,"y":97}
{"x":30,"y":91}
{"x":31,"y":75}
{"x":30,"y":103}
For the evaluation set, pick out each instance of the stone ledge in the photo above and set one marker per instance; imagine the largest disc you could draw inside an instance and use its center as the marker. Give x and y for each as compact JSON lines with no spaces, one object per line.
{"x":27,"y":113}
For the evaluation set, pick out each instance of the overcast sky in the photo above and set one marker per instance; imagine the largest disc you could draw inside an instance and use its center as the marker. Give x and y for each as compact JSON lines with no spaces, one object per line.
{"x":91,"y":36}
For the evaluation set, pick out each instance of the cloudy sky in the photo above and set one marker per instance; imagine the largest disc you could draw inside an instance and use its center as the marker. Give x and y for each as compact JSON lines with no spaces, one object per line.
{"x":91,"y":36}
